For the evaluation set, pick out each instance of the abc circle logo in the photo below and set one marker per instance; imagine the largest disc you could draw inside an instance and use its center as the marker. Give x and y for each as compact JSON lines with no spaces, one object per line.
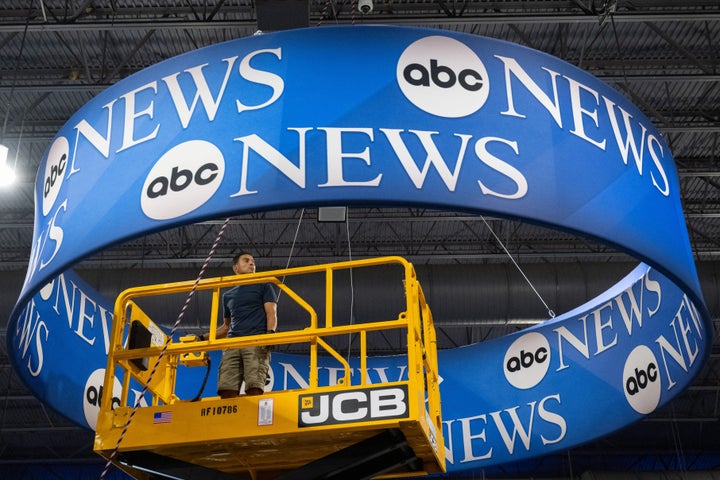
{"x":183,"y":179}
{"x":56,"y":166}
{"x":94,"y":393}
{"x":641,"y":380}
{"x":527,"y":360}
{"x":443,"y":76}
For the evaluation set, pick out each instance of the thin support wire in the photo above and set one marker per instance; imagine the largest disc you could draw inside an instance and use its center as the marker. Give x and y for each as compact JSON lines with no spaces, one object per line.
{"x":550,"y":312}
{"x":292,"y":247}
{"x":619,"y":51}
{"x":164,"y":349}
{"x":352,"y":286}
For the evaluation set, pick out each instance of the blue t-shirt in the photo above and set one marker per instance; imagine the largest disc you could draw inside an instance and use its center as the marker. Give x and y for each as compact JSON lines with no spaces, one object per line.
{"x":245,"y":305}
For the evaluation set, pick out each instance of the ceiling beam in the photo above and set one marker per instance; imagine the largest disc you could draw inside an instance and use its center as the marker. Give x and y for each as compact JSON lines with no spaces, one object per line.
{"x":468,"y":20}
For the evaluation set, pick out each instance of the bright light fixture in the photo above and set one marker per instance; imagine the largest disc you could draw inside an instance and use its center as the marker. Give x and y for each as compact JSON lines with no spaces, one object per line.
{"x":7,"y":173}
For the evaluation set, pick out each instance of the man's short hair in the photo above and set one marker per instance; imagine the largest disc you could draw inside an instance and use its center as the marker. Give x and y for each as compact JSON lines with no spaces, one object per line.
{"x":236,"y":258}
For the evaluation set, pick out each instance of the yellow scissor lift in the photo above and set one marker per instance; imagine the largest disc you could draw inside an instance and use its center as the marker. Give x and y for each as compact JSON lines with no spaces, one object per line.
{"x":353,"y":429}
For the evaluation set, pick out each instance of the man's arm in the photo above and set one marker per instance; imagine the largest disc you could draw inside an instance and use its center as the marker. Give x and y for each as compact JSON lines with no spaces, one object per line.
{"x":271,"y":315}
{"x":222,"y":330}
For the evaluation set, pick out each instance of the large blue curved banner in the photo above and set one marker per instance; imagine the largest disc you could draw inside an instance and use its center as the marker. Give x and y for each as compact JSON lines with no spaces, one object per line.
{"x":384,"y":116}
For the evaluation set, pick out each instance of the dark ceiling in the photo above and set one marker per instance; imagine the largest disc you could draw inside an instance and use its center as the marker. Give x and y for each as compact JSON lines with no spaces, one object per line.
{"x":664,"y":55}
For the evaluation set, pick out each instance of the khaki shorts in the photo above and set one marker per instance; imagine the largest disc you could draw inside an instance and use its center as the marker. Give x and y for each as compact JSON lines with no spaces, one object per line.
{"x":250,"y":364}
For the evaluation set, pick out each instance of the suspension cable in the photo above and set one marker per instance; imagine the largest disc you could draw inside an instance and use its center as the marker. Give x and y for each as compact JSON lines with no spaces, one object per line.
{"x":352,"y":286}
{"x":292,"y":248}
{"x":550,"y":312}
{"x":168,"y":340}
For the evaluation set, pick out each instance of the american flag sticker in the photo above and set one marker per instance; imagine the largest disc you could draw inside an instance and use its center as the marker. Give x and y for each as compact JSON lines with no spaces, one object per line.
{"x":162,"y":417}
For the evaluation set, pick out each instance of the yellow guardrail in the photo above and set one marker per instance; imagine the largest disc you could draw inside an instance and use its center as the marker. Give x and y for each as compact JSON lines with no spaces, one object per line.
{"x":142,"y":351}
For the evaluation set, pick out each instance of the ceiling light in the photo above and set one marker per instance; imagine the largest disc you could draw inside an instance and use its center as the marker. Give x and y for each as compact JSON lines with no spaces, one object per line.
{"x":7,"y":173}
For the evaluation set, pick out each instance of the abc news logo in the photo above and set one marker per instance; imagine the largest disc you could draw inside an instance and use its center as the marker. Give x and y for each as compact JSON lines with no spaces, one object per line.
{"x":443,"y":76}
{"x":55,"y":169}
{"x":641,"y":380}
{"x":527,"y":360}
{"x":94,"y":394}
{"x":56,"y":173}
{"x":92,"y":400}
{"x":182,"y":180}
{"x":353,"y":406}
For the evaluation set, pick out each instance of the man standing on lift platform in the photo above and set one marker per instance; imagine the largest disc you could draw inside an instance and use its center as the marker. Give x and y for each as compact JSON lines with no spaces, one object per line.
{"x":247,"y":310}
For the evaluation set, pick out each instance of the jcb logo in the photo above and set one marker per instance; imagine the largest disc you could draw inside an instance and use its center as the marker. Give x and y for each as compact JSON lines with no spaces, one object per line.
{"x":353,"y":406}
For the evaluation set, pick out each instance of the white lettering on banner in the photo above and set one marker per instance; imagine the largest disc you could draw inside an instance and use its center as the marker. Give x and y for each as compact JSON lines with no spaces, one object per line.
{"x":583,"y":102}
{"x":202,"y":92}
{"x":131,"y":115}
{"x":30,"y":327}
{"x":653,"y":142}
{"x":55,"y":233}
{"x":83,"y":317}
{"x":501,"y":167}
{"x":477,"y":431}
{"x":682,"y":353}
{"x":626,"y":142}
{"x":629,"y":143}
{"x":274,"y":157}
{"x":261,"y":77}
{"x":334,"y":374}
{"x":579,"y":112}
{"x":383,"y":377}
{"x":552,"y":106}
{"x":72,"y":305}
{"x":603,"y":320}
{"x":293,"y":379}
{"x":336,"y":155}
{"x":138,"y":112}
{"x":434,"y":157}
{"x":96,"y":139}
{"x":290,"y":372}
{"x":86,"y":314}
{"x":600,"y":325}
{"x":52,"y":232}
{"x":677,"y":343}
